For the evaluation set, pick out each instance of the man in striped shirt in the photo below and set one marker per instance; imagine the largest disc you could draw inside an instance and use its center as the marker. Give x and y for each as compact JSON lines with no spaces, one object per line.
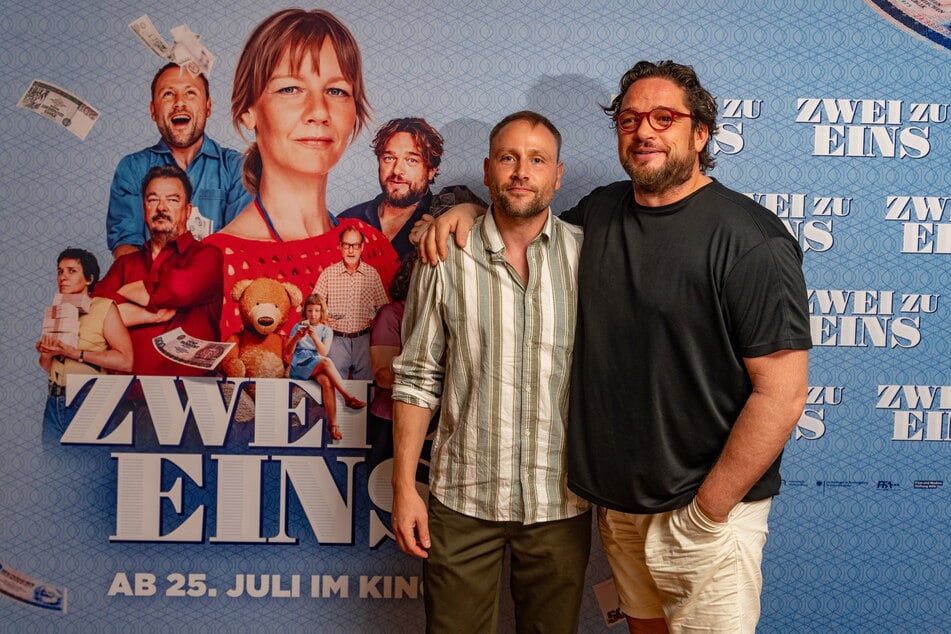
{"x":487,"y":335}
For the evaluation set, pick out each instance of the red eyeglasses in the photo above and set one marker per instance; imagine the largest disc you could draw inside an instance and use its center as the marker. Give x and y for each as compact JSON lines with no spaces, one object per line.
{"x":659,"y":118}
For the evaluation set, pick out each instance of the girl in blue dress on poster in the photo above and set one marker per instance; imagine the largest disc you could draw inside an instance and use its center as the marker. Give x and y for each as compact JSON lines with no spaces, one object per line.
{"x":306,"y":352}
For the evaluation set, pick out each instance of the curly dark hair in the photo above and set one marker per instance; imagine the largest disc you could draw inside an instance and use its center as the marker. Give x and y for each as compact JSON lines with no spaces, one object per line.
{"x":702,"y":105}
{"x":426,"y":137}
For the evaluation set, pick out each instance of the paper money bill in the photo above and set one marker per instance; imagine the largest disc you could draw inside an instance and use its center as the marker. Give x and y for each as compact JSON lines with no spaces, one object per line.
{"x":199,"y":226}
{"x":192,"y":53}
{"x":608,"y":601}
{"x":60,"y":106}
{"x":187,"y":50}
{"x":61,"y":311}
{"x":18,"y":586}
{"x":187,"y":350}
{"x":79,"y":300}
{"x":150,"y":36}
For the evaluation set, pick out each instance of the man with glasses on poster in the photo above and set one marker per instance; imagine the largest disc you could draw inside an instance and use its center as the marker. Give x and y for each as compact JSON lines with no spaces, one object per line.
{"x":354,"y":292}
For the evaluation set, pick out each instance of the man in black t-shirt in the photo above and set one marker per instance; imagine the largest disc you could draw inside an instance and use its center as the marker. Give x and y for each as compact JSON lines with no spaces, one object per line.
{"x":688,"y":382}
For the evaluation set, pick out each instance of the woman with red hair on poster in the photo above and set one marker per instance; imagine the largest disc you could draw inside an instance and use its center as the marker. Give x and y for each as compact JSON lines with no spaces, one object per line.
{"x":299,"y":89}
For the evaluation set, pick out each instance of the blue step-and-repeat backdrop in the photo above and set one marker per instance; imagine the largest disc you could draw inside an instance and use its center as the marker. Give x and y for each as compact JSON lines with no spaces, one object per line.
{"x":834,"y":115}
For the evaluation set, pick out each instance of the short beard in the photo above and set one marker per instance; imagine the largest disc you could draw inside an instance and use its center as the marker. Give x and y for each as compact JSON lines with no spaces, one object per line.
{"x":535,"y":207}
{"x":674,"y":172}
{"x":410,"y":198}
{"x":164,"y":237}
{"x":183,"y":139}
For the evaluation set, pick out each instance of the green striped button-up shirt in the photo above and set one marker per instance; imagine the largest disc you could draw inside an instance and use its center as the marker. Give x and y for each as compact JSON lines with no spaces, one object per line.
{"x":496,"y":354}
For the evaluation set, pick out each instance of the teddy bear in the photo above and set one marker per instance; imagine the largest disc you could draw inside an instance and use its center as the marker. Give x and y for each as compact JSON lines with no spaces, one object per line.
{"x":264,"y":305}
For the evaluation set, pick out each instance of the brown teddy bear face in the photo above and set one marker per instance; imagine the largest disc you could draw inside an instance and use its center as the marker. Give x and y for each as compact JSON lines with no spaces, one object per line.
{"x":265,"y":317}
{"x":265,"y":303}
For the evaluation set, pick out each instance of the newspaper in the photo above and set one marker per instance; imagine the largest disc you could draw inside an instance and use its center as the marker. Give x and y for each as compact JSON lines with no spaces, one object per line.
{"x":187,"y":51}
{"x":59,"y":106}
{"x":187,"y":350}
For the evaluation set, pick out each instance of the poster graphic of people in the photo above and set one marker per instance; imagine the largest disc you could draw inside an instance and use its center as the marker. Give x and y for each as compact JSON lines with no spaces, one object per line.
{"x":213,"y":219}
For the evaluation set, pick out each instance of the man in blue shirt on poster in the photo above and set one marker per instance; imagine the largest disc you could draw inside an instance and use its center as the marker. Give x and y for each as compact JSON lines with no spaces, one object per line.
{"x":180,"y":106}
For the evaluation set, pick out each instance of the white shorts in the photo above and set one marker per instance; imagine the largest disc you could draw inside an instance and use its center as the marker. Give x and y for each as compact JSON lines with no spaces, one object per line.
{"x":698,"y":574}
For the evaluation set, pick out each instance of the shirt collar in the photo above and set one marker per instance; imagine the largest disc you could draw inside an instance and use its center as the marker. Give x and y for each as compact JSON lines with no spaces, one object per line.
{"x":179,"y":244}
{"x":208,"y":147}
{"x":361,"y":268}
{"x":492,"y":239}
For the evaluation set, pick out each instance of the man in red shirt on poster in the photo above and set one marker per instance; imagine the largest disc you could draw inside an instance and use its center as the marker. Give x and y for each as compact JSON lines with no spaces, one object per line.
{"x":172,"y":281}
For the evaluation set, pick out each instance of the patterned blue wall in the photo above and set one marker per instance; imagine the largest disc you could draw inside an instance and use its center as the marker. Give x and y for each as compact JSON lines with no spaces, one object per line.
{"x":833,"y":116}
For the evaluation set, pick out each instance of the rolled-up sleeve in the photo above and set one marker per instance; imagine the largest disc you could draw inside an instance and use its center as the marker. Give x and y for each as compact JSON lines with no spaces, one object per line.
{"x":124,"y":218}
{"x":420,"y":368}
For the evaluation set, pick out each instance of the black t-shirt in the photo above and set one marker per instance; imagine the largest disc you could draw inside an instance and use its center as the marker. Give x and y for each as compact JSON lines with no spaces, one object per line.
{"x":671,"y":299}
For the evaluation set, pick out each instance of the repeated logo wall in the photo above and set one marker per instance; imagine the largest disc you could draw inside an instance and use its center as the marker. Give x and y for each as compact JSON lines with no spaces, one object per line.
{"x":834,"y":116}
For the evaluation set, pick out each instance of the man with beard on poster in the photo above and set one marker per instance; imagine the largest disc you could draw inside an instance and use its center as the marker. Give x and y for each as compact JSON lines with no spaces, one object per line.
{"x":172,"y":281}
{"x":488,"y":336}
{"x":179,"y":107}
{"x":408,"y":153}
{"x":690,"y":363}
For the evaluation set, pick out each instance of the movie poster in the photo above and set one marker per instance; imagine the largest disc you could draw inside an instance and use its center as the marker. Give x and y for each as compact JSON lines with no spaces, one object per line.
{"x":202,"y":440}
